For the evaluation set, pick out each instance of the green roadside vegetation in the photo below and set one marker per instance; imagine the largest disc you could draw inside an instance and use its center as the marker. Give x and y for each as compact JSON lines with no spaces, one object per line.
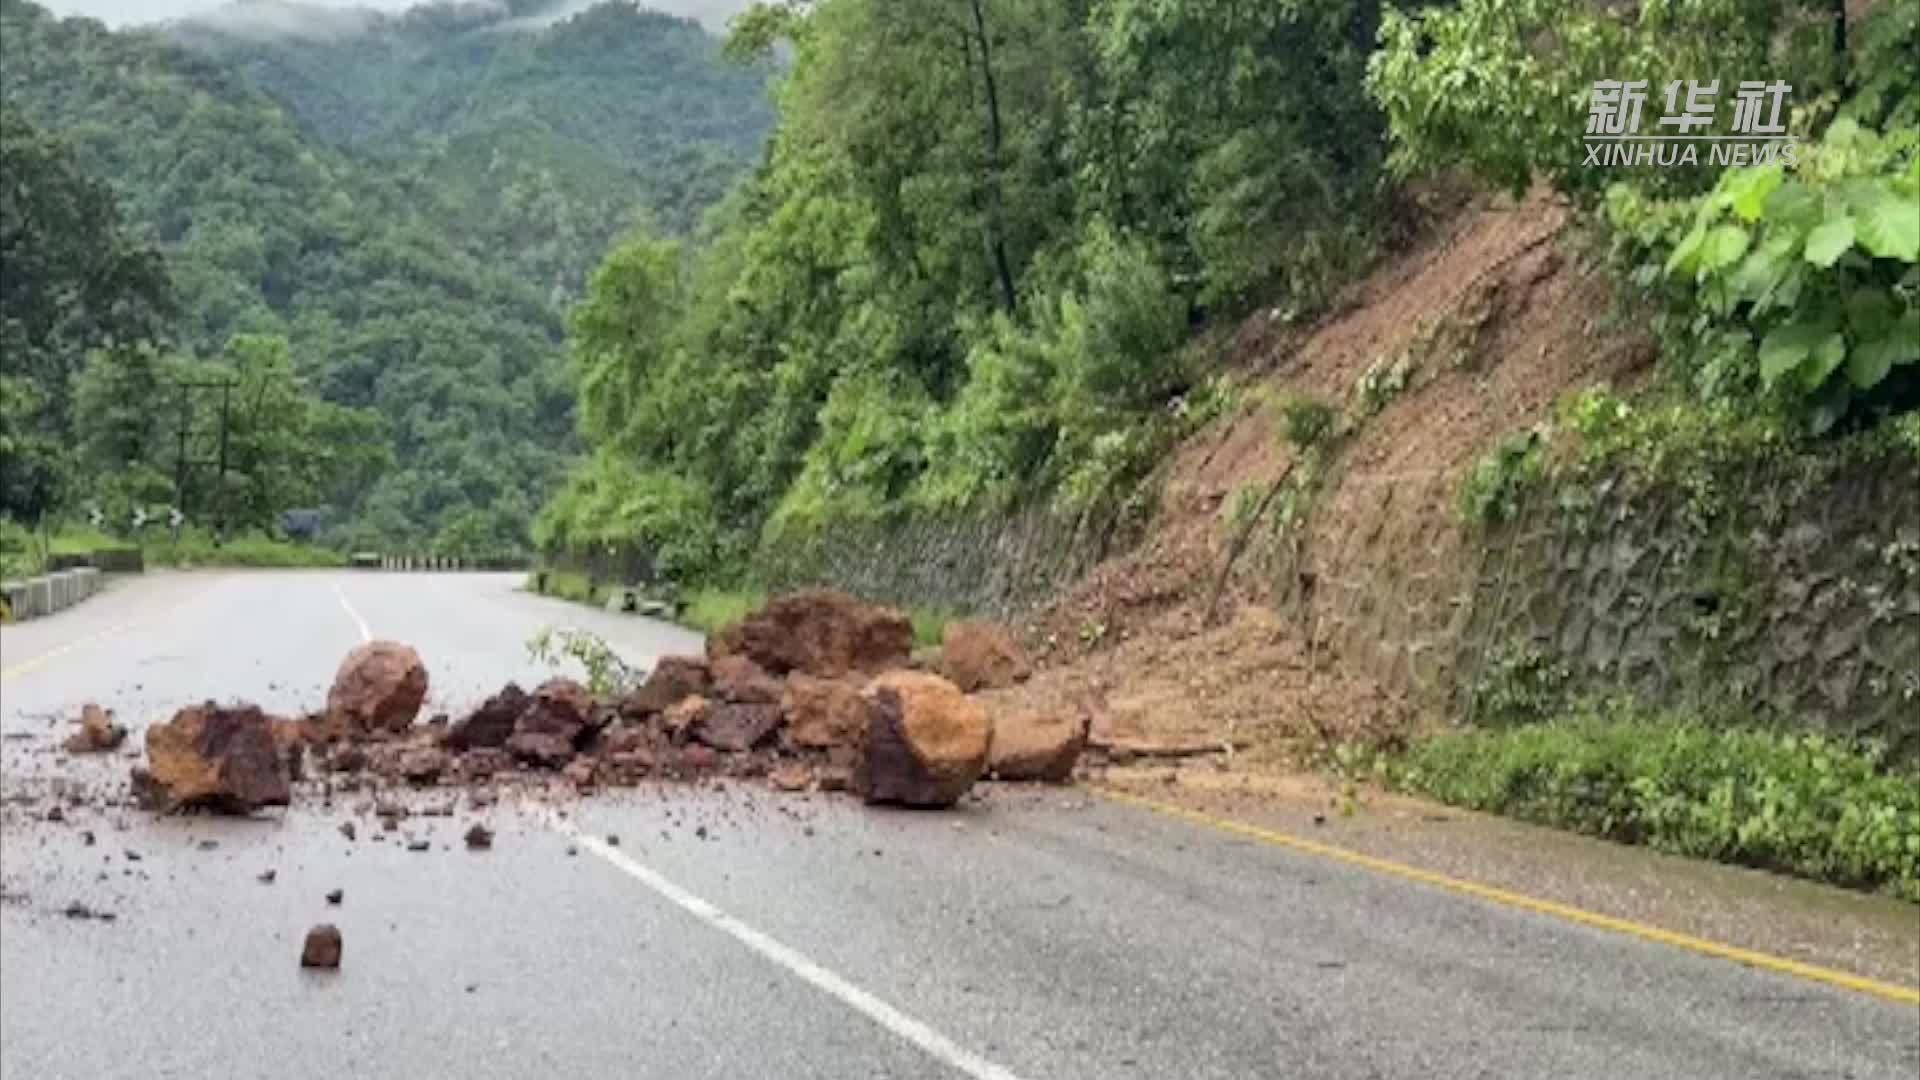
{"x":24,"y":553}
{"x":711,"y":609}
{"x":1782,"y":295}
{"x":1794,"y":802}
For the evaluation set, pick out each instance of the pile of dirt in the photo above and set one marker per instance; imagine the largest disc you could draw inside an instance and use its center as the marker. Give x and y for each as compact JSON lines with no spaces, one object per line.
{"x":814,"y":691}
{"x":1201,"y":634}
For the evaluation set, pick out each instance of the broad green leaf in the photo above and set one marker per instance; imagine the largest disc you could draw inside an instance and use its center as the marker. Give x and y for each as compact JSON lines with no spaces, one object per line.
{"x":1831,"y":240}
{"x":1723,"y":246}
{"x":1869,"y":362}
{"x":1785,"y":347}
{"x":1829,"y":405}
{"x":1889,"y":225}
{"x":1828,"y":355}
{"x":1870,"y":313}
{"x":1686,"y":254}
{"x":1759,"y":272}
{"x":1751,"y":188}
{"x":1794,"y":206}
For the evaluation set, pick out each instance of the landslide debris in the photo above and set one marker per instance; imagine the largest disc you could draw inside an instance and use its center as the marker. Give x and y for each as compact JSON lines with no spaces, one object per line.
{"x":814,"y":691}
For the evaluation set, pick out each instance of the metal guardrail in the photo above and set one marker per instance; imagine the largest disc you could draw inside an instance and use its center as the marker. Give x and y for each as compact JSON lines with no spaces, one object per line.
{"x":375,"y":561}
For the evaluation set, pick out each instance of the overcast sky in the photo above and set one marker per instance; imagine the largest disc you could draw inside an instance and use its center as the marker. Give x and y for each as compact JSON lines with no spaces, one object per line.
{"x":121,"y":12}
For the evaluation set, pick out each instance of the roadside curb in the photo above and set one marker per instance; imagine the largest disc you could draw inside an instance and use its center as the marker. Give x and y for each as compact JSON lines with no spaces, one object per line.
{"x":47,"y":593}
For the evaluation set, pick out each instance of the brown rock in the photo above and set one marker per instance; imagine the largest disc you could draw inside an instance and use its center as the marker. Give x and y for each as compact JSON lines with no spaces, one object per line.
{"x":672,"y":678}
{"x":1033,"y":745}
{"x":558,"y":707}
{"x":791,"y":777}
{"x":547,"y":750}
{"x":98,"y":733}
{"x":926,"y":741}
{"x":219,"y":758}
{"x":423,"y":765}
{"x":492,"y":722}
{"x":736,"y":727}
{"x":926,"y":658}
{"x":347,"y":759}
{"x":322,"y":948}
{"x":982,"y":656}
{"x":379,"y":687}
{"x":741,"y":681}
{"x":627,"y":740}
{"x":579,"y":772}
{"x":484,"y":762}
{"x":819,"y":631}
{"x":683,"y":716}
{"x":822,"y":713}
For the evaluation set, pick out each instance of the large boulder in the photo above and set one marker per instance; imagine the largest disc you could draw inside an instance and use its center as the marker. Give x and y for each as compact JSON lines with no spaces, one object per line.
{"x":544,"y":749}
{"x":982,"y":656}
{"x":1031,"y":744}
{"x":926,"y":741}
{"x":821,"y":632}
{"x":379,"y":688}
{"x":823,"y":713}
{"x":672,"y":679}
{"x":492,"y":722}
{"x":743,"y":682}
{"x":214,"y":757}
{"x":559,"y":707}
{"x":735,"y":727}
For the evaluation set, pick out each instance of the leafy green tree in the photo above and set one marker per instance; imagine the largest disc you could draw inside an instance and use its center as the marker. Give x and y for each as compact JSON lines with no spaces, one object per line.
{"x":75,"y":282}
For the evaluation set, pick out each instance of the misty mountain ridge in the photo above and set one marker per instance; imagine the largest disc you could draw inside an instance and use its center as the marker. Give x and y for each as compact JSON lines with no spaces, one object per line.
{"x":270,"y":19}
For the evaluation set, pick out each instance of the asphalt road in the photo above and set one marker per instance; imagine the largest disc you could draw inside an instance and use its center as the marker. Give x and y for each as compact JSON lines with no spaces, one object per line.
{"x":732,"y":932}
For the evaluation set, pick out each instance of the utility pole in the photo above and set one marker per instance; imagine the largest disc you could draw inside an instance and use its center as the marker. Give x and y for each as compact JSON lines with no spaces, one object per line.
{"x":220,"y":515}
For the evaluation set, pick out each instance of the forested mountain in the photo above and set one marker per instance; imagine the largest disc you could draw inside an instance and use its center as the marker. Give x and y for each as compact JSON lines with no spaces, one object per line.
{"x":966,"y":278}
{"x":422,"y":279}
{"x":543,"y":135}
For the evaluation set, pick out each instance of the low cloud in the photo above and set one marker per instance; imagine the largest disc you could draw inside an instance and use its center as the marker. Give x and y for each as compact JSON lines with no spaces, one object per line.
{"x":324,"y":21}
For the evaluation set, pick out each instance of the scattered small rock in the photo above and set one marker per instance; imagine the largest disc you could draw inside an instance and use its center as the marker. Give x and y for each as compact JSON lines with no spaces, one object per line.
{"x":334,"y":896}
{"x":613,"y":840}
{"x":322,"y":947}
{"x":78,"y":910}
{"x":98,"y":733}
{"x":266,"y":877}
{"x":347,"y":830}
{"x":419,"y":845}
{"x":479,"y":837}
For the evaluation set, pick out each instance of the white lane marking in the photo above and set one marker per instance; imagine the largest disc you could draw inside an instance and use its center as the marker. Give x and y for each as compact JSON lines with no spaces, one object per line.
{"x":936,"y":1045}
{"x":365,"y":634}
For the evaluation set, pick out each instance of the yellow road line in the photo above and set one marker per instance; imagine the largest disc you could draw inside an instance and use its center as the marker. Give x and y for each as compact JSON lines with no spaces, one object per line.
{"x":58,"y":651}
{"x":1890,"y":991}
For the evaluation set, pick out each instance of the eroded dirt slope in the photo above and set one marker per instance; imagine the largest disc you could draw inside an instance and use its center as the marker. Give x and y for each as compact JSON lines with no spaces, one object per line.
{"x":1200,"y":635}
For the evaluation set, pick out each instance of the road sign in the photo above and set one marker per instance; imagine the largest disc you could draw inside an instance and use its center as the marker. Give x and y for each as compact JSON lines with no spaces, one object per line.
{"x":139,"y":516}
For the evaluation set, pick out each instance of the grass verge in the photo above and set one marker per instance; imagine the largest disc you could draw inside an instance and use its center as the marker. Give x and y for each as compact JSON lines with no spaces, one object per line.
{"x":24,"y":552}
{"x":1802,"y":804}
